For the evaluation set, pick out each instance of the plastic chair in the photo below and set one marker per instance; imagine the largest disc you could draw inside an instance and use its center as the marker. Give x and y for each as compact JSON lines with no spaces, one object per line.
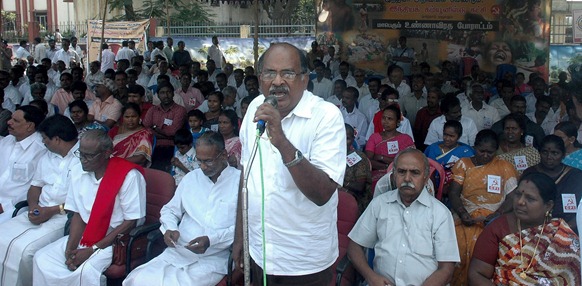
{"x":160,"y":187}
{"x":347,"y":215}
{"x":434,"y":166}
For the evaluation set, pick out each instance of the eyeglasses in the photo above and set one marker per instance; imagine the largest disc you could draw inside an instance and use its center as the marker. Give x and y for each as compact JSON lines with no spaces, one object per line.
{"x":85,"y":156}
{"x":285,"y":75}
{"x":209,"y":162}
{"x":390,"y":100}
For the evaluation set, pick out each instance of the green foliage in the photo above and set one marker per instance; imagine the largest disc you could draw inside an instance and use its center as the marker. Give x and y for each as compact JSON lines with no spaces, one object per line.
{"x":577,"y":59}
{"x":304,"y":12}
{"x":187,"y":10}
{"x":8,"y":16}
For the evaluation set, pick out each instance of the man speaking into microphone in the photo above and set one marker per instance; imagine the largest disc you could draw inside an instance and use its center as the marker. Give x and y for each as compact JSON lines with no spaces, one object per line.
{"x":303,"y":158}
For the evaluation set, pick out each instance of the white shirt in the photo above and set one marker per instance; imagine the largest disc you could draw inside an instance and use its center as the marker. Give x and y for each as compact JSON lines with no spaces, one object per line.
{"x":18,"y":167}
{"x":362,"y":90}
{"x":350,"y":80}
{"x":107,"y":60}
{"x":435,"y":131}
{"x":483,"y":118}
{"x":173,"y":81}
{"x":411,"y":105}
{"x":129,"y":202}
{"x":360,"y":123}
{"x":323,"y":88}
{"x":369,"y":106}
{"x":409,"y":241}
{"x":52,"y":175}
{"x":212,"y":213}
{"x":51,"y":53}
{"x":124,"y":53}
{"x":403,"y":88}
{"x":334,"y":100}
{"x":404,"y":128}
{"x":39,"y":52}
{"x":216,"y":54}
{"x":91,"y":78}
{"x":22,"y":53}
{"x":66,"y":56}
{"x":12,"y":97}
{"x":549,"y":123}
{"x":464,"y":99}
{"x":502,"y":109}
{"x":332,"y":64}
{"x":406,"y":52}
{"x":294,"y":224}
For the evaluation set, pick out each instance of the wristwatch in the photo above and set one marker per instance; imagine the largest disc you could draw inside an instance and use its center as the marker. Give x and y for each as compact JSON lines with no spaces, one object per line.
{"x":95,"y":247}
{"x":298,"y":158}
{"x":62,"y":208}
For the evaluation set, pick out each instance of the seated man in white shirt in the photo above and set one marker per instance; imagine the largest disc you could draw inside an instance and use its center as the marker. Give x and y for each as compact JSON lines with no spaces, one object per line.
{"x":412,"y":232}
{"x":483,"y":114}
{"x":45,"y":220}
{"x":322,"y":86}
{"x":108,"y":200}
{"x":451,"y":108}
{"x":353,"y":116}
{"x":20,"y":151}
{"x":198,"y":232}
{"x":338,"y":88}
{"x":388,"y":96}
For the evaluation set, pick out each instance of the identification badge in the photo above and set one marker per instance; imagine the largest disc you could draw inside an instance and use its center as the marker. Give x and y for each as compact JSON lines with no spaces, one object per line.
{"x":168,"y":121}
{"x":192,"y":101}
{"x":214,"y":127}
{"x":520,"y":163}
{"x":529,"y":141}
{"x":353,"y":159}
{"x":494,"y":184}
{"x":451,"y":161}
{"x":392,"y":147}
{"x":569,"y":203}
{"x":487,"y":122}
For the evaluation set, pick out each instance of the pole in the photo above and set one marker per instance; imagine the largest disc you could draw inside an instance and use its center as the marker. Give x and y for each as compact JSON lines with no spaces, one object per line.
{"x":102,"y":30}
{"x":168,"y":19}
{"x":256,"y":35}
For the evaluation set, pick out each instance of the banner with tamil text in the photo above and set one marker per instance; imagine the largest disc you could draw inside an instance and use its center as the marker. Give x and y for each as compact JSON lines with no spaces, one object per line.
{"x":115,"y":33}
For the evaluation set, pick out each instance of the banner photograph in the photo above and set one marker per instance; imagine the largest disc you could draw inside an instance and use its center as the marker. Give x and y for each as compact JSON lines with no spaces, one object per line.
{"x":497,"y":35}
{"x":115,"y":33}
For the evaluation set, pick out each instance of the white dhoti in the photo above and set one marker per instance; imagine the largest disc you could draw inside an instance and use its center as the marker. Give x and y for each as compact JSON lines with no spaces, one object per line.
{"x":163,"y":270}
{"x":19,"y":241}
{"x":49,"y":268}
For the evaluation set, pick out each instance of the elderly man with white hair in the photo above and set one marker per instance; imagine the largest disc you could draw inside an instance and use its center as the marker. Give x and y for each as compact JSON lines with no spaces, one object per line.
{"x":106,"y":109}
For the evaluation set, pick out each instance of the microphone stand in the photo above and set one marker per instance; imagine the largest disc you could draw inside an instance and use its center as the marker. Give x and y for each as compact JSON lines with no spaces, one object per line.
{"x":245,"y":216}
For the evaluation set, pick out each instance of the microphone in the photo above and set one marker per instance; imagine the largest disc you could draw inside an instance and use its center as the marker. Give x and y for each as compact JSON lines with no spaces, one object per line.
{"x":261,"y":124}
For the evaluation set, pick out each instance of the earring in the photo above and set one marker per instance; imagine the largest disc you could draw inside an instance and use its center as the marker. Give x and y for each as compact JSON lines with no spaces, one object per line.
{"x":549,"y":214}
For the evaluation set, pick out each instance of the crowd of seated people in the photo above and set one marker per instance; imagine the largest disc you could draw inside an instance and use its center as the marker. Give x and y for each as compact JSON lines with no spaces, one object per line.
{"x":510,"y":151}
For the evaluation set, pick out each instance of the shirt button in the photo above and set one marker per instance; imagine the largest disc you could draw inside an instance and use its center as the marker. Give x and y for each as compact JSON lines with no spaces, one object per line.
{"x":400,"y":261}
{"x":403,"y":245}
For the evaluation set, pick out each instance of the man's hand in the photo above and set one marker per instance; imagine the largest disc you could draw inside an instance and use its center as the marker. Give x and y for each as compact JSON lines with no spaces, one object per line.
{"x":43,"y":215}
{"x":272,"y":117}
{"x":379,"y":280}
{"x":76,"y":257}
{"x":171,"y":237}
{"x":466,"y":219}
{"x":1,"y":209}
{"x":199,"y":244}
{"x":237,"y":254}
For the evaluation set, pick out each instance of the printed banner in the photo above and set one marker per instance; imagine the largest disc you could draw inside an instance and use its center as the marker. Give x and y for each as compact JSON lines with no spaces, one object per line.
{"x":490,"y":33}
{"x":115,"y":33}
{"x":577,"y":25}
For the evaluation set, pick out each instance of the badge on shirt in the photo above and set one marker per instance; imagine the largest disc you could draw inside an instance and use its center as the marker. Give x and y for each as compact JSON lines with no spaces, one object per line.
{"x":214,"y":127}
{"x":452,"y":161}
{"x":192,"y":101}
{"x":520,"y":163}
{"x":494,"y":184}
{"x":569,"y":203}
{"x":353,"y":159}
{"x":168,"y":121}
{"x":529,"y":141}
{"x":103,"y":117}
{"x":487,"y":122}
{"x":392,"y":147}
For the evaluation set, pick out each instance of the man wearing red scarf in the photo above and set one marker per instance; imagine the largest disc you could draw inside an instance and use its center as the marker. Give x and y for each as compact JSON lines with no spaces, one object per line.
{"x":107,"y":198}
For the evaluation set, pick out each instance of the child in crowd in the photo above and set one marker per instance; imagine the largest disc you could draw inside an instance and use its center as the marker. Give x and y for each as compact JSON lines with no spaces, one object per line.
{"x":184,"y":159}
{"x":195,"y":120}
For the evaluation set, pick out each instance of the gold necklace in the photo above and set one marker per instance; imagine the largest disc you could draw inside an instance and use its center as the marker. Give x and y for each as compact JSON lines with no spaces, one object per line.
{"x":523,"y":274}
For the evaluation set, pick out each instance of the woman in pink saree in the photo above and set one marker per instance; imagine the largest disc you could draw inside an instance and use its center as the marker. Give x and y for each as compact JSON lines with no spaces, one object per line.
{"x":131,"y":140}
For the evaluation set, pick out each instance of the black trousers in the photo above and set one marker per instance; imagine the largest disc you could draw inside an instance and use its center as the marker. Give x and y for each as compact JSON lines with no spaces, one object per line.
{"x":322,"y":278}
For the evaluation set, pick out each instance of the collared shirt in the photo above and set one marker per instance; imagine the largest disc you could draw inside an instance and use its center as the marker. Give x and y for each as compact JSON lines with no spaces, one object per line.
{"x":188,"y":160}
{"x":358,"y":121}
{"x":66,"y":56}
{"x":548,"y":124}
{"x":406,"y":52}
{"x":18,"y":167}
{"x":104,"y":110}
{"x":409,"y":241}
{"x":22,"y":53}
{"x":173,"y":80}
{"x":107,"y":60}
{"x":403,"y":88}
{"x":404,"y":128}
{"x":168,"y":53}
{"x":362,"y":90}
{"x":12,"y":97}
{"x":334,"y":100}
{"x":502,"y":109}
{"x":51,"y":53}
{"x":411,"y":105}
{"x":52,"y":175}
{"x":216,"y":54}
{"x":167,"y":121}
{"x":124,"y":54}
{"x":212,"y":213}
{"x":483,"y":118}
{"x":332,"y":64}
{"x":129,"y":202}
{"x":301,"y":237}
{"x":369,"y":106}
{"x":435,"y":131}
{"x":323,"y":88}
{"x":192,"y":98}
{"x":350,"y":80}
{"x":62,"y":98}
{"x":182,"y":57}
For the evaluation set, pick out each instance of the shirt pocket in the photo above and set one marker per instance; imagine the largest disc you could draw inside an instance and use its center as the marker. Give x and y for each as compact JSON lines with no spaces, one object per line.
{"x":422,"y":238}
{"x":224,"y":215}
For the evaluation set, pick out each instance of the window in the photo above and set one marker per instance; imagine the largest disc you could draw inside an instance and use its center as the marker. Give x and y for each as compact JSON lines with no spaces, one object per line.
{"x":41,"y":18}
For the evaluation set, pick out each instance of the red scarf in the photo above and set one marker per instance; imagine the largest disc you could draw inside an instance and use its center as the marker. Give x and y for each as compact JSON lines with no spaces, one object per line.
{"x":378,"y":120}
{"x":102,"y":209}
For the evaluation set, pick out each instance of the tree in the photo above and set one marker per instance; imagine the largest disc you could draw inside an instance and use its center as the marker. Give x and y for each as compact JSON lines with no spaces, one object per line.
{"x":188,"y":10}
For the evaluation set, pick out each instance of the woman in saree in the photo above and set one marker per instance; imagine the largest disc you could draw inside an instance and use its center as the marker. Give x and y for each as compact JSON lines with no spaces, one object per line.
{"x":513,"y":147}
{"x":527,"y":246}
{"x":567,"y":179}
{"x":131,"y":140}
{"x":478,"y":193}
{"x":450,"y":150}
{"x":357,"y":178}
{"x":568,"y":131}
{"x":383,"y":146}
{"x":228,"y":127}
